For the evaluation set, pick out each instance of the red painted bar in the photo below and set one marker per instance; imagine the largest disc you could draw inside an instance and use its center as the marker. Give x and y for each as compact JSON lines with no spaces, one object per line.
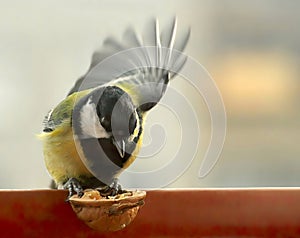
{"x":167,"y":213}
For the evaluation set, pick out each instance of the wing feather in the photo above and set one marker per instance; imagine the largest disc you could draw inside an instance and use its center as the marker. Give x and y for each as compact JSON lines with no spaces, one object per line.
{"x":143,"y":65}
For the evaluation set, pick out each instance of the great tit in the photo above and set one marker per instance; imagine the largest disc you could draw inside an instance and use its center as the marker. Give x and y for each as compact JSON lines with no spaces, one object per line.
{"x":96,"y":131}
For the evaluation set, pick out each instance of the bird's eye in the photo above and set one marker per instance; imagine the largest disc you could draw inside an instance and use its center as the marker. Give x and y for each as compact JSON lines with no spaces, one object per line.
{"x":105,"y":122}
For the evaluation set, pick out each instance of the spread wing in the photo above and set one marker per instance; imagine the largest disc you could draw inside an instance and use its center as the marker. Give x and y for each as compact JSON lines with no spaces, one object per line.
{"x":141,"y":65}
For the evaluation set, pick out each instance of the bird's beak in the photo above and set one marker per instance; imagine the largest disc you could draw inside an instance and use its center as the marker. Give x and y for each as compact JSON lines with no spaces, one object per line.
{"x":120,"y":145}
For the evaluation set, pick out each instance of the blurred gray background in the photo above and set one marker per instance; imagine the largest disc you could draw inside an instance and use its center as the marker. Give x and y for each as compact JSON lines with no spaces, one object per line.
{"x":251,"y":49}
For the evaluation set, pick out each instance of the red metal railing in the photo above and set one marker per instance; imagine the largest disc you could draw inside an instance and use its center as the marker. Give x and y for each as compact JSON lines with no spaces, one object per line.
{"x":167,"y":213}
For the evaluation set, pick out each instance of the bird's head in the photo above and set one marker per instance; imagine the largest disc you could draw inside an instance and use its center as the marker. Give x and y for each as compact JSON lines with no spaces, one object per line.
{"x":117,"y":115}
{"x":110,"y":113}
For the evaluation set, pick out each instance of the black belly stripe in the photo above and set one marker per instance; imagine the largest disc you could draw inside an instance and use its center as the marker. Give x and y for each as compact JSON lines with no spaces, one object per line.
{"x":104,"y":162}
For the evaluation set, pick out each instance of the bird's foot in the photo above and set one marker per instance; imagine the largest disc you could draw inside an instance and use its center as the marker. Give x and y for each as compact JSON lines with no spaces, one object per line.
{"x":74,"y":187}
{"x":112,"y":190}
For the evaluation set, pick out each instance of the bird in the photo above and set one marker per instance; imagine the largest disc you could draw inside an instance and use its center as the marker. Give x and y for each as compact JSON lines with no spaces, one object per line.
{"x":96,"y":132}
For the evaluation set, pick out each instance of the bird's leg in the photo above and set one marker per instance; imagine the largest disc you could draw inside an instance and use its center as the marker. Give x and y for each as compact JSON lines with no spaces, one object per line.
{"x":74,"y":187}
{"x":112,"y":190}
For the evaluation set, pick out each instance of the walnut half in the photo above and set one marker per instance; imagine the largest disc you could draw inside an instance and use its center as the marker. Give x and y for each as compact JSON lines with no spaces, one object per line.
{"x":107,"y":214}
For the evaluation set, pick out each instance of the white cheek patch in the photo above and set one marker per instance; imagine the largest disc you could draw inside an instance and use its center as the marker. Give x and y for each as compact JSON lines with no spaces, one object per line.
{"x":89,"y":122}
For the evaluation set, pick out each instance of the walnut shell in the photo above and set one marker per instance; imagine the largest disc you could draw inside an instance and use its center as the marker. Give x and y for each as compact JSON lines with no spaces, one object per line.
{"x":107,"y":214}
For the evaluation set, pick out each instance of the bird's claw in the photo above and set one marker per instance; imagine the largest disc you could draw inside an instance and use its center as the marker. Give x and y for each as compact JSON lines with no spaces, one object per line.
{"x":112,"y":190}
{"x":74,"y":187}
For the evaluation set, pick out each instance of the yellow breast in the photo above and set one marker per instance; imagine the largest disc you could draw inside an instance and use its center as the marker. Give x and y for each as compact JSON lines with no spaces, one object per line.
{"x":61,"y":155}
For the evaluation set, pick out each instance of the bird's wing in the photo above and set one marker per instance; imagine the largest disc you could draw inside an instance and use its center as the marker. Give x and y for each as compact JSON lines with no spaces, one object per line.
{"x":143,"y":66}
